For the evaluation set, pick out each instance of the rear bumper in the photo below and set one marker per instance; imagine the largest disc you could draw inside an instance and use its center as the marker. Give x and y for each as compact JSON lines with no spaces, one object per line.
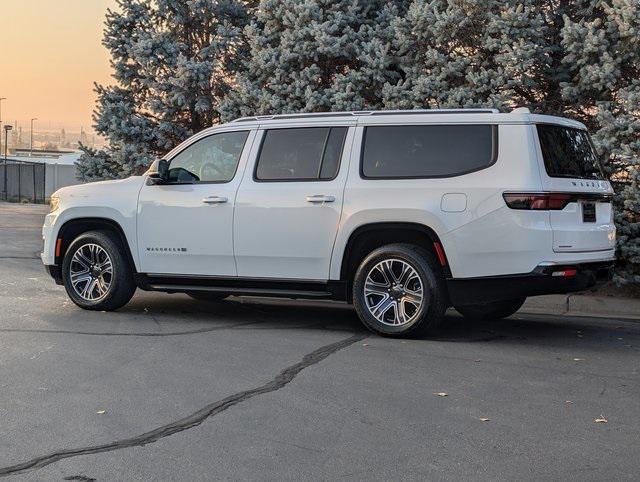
{"x":540,"y":281}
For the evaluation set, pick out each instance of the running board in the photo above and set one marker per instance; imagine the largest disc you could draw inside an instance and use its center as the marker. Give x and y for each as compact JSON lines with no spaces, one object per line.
{"x":282,"y":288}
{"x":234,"y":290}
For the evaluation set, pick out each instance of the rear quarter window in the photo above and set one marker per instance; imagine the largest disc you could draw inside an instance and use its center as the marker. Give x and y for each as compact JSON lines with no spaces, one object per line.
{"x":427,"y":151}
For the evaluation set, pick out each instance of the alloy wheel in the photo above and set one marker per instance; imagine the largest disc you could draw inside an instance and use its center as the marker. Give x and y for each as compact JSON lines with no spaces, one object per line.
{"x":393,"y":292}
{"x":91,"y":272}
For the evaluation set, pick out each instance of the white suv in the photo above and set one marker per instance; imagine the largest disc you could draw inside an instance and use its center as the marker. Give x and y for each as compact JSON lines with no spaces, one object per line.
{"x":402,"y":213}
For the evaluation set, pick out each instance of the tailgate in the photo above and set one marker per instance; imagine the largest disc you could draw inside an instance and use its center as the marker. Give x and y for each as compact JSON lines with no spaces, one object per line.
{"x":585,"y":224}
{"x":570,"y":167}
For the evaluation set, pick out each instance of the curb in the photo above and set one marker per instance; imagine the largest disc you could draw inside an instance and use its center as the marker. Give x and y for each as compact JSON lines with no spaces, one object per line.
{"x":584,"y":305}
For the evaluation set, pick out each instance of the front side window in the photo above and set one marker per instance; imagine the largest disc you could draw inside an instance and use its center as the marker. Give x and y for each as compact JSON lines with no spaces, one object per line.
{"x":427,"y":151}
{"x":568,"y":152}
{"x":211,"y":159}
{"x":300,"y":154}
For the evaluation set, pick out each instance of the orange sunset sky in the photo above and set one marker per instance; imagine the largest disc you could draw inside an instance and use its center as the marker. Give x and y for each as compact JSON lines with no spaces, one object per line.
{"x":50,"y":55}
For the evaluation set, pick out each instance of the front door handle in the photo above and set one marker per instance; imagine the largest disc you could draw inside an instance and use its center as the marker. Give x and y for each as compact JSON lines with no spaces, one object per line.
{"x":320,"y":198}
{"x":215,"y":200}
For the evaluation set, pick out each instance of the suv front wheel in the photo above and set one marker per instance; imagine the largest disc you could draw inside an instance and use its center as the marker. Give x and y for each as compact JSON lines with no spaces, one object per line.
{"x":96,"y":273}
{"x":399,"y":290}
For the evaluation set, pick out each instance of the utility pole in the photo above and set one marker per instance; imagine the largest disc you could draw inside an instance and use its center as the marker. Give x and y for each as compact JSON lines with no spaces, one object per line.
{"x":31,"y":143}
{"x":1,"y":99}
{"x":7,"y":128}
{"x":6,"y":143}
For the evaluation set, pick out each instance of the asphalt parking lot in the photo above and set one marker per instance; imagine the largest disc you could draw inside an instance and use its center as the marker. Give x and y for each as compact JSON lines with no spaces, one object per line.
{"x":169,"y":388}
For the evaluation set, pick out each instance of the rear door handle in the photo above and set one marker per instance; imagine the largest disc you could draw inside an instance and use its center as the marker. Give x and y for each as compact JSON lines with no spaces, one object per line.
{"x":320,"y":198}
{"x":215,"y":200}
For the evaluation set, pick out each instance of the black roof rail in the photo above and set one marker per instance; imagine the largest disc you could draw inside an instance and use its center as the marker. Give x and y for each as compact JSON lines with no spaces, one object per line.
{"x":316,"y":115}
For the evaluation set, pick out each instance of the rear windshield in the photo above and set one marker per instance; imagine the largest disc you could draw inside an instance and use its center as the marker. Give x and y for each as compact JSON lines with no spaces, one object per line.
{"x":568,"y":152}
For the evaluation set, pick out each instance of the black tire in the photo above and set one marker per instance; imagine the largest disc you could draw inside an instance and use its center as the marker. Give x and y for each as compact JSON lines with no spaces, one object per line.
{"x":121,"y":283}
{"x":424,"y":320}
{"x":207,"y":295}
{"x":491,"y":311}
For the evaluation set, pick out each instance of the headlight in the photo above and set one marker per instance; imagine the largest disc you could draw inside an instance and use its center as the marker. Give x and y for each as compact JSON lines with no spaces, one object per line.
{"x":54,"y":202}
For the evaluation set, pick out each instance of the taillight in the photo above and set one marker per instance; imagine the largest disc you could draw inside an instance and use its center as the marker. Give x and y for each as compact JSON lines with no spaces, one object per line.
{"x":542,"y":201}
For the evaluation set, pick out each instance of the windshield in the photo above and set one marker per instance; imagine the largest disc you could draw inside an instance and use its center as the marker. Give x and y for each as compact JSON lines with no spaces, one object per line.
{"x":568,"y":152}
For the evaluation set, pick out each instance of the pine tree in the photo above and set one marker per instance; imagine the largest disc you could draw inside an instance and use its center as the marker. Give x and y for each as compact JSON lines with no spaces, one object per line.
{"x":315,"y":55}
{"x":602,"y":49}
{"x":576,"y":59}
{"x":173,"y":62}
{"x":464,"y":54}
{"x":182,"y":66}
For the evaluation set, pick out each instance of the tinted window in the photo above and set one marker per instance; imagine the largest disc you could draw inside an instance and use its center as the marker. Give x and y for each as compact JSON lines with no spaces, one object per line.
{"x":211,"y":159}
{"x":427,"y":151}
{"x":301,"y":154}
{"x":568,"y":152}
{"x":333,"y":153}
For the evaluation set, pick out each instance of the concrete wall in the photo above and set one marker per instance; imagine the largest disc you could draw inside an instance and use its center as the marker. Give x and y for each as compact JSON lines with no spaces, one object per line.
{"x":59,"y":175}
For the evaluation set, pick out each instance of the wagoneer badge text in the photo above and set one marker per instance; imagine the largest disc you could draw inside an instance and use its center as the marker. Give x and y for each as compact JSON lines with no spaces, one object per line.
{"x":168,"y":250}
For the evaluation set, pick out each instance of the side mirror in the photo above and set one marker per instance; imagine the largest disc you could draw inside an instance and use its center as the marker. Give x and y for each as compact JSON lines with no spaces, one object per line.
{"x":158,"y":173}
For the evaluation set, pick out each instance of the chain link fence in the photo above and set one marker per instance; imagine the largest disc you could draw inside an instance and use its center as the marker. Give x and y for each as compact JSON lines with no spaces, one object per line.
{"x":22,"y":181}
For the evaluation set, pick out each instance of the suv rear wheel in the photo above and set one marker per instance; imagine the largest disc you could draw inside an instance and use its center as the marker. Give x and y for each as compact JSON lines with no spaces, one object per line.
{"x":491,"y":311}
{"x":399,"y":290}
{"x":96,"y":273}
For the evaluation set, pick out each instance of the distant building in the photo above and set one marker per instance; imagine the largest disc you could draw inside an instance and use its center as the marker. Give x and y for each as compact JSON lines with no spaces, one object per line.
{"x":47,"y":156}
{"x":83,"y":136}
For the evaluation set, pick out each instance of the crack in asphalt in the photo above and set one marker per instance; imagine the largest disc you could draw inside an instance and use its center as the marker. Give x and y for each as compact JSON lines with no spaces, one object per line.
{"x":279,"y":381}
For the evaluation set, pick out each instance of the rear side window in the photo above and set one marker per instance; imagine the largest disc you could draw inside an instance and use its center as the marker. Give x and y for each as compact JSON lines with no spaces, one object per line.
{"x":396,"y":152}
{"x":568,"y":152}
{"x":301,"y":154}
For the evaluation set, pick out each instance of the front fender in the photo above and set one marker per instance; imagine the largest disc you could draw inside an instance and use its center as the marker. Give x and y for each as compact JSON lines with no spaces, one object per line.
{"x":54,"y":222}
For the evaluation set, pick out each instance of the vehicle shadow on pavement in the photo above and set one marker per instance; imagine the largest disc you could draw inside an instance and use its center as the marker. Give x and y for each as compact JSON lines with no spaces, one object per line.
{"x":253,"y":312}
{"x":580,"y":334}
{"x":261,"y":313}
